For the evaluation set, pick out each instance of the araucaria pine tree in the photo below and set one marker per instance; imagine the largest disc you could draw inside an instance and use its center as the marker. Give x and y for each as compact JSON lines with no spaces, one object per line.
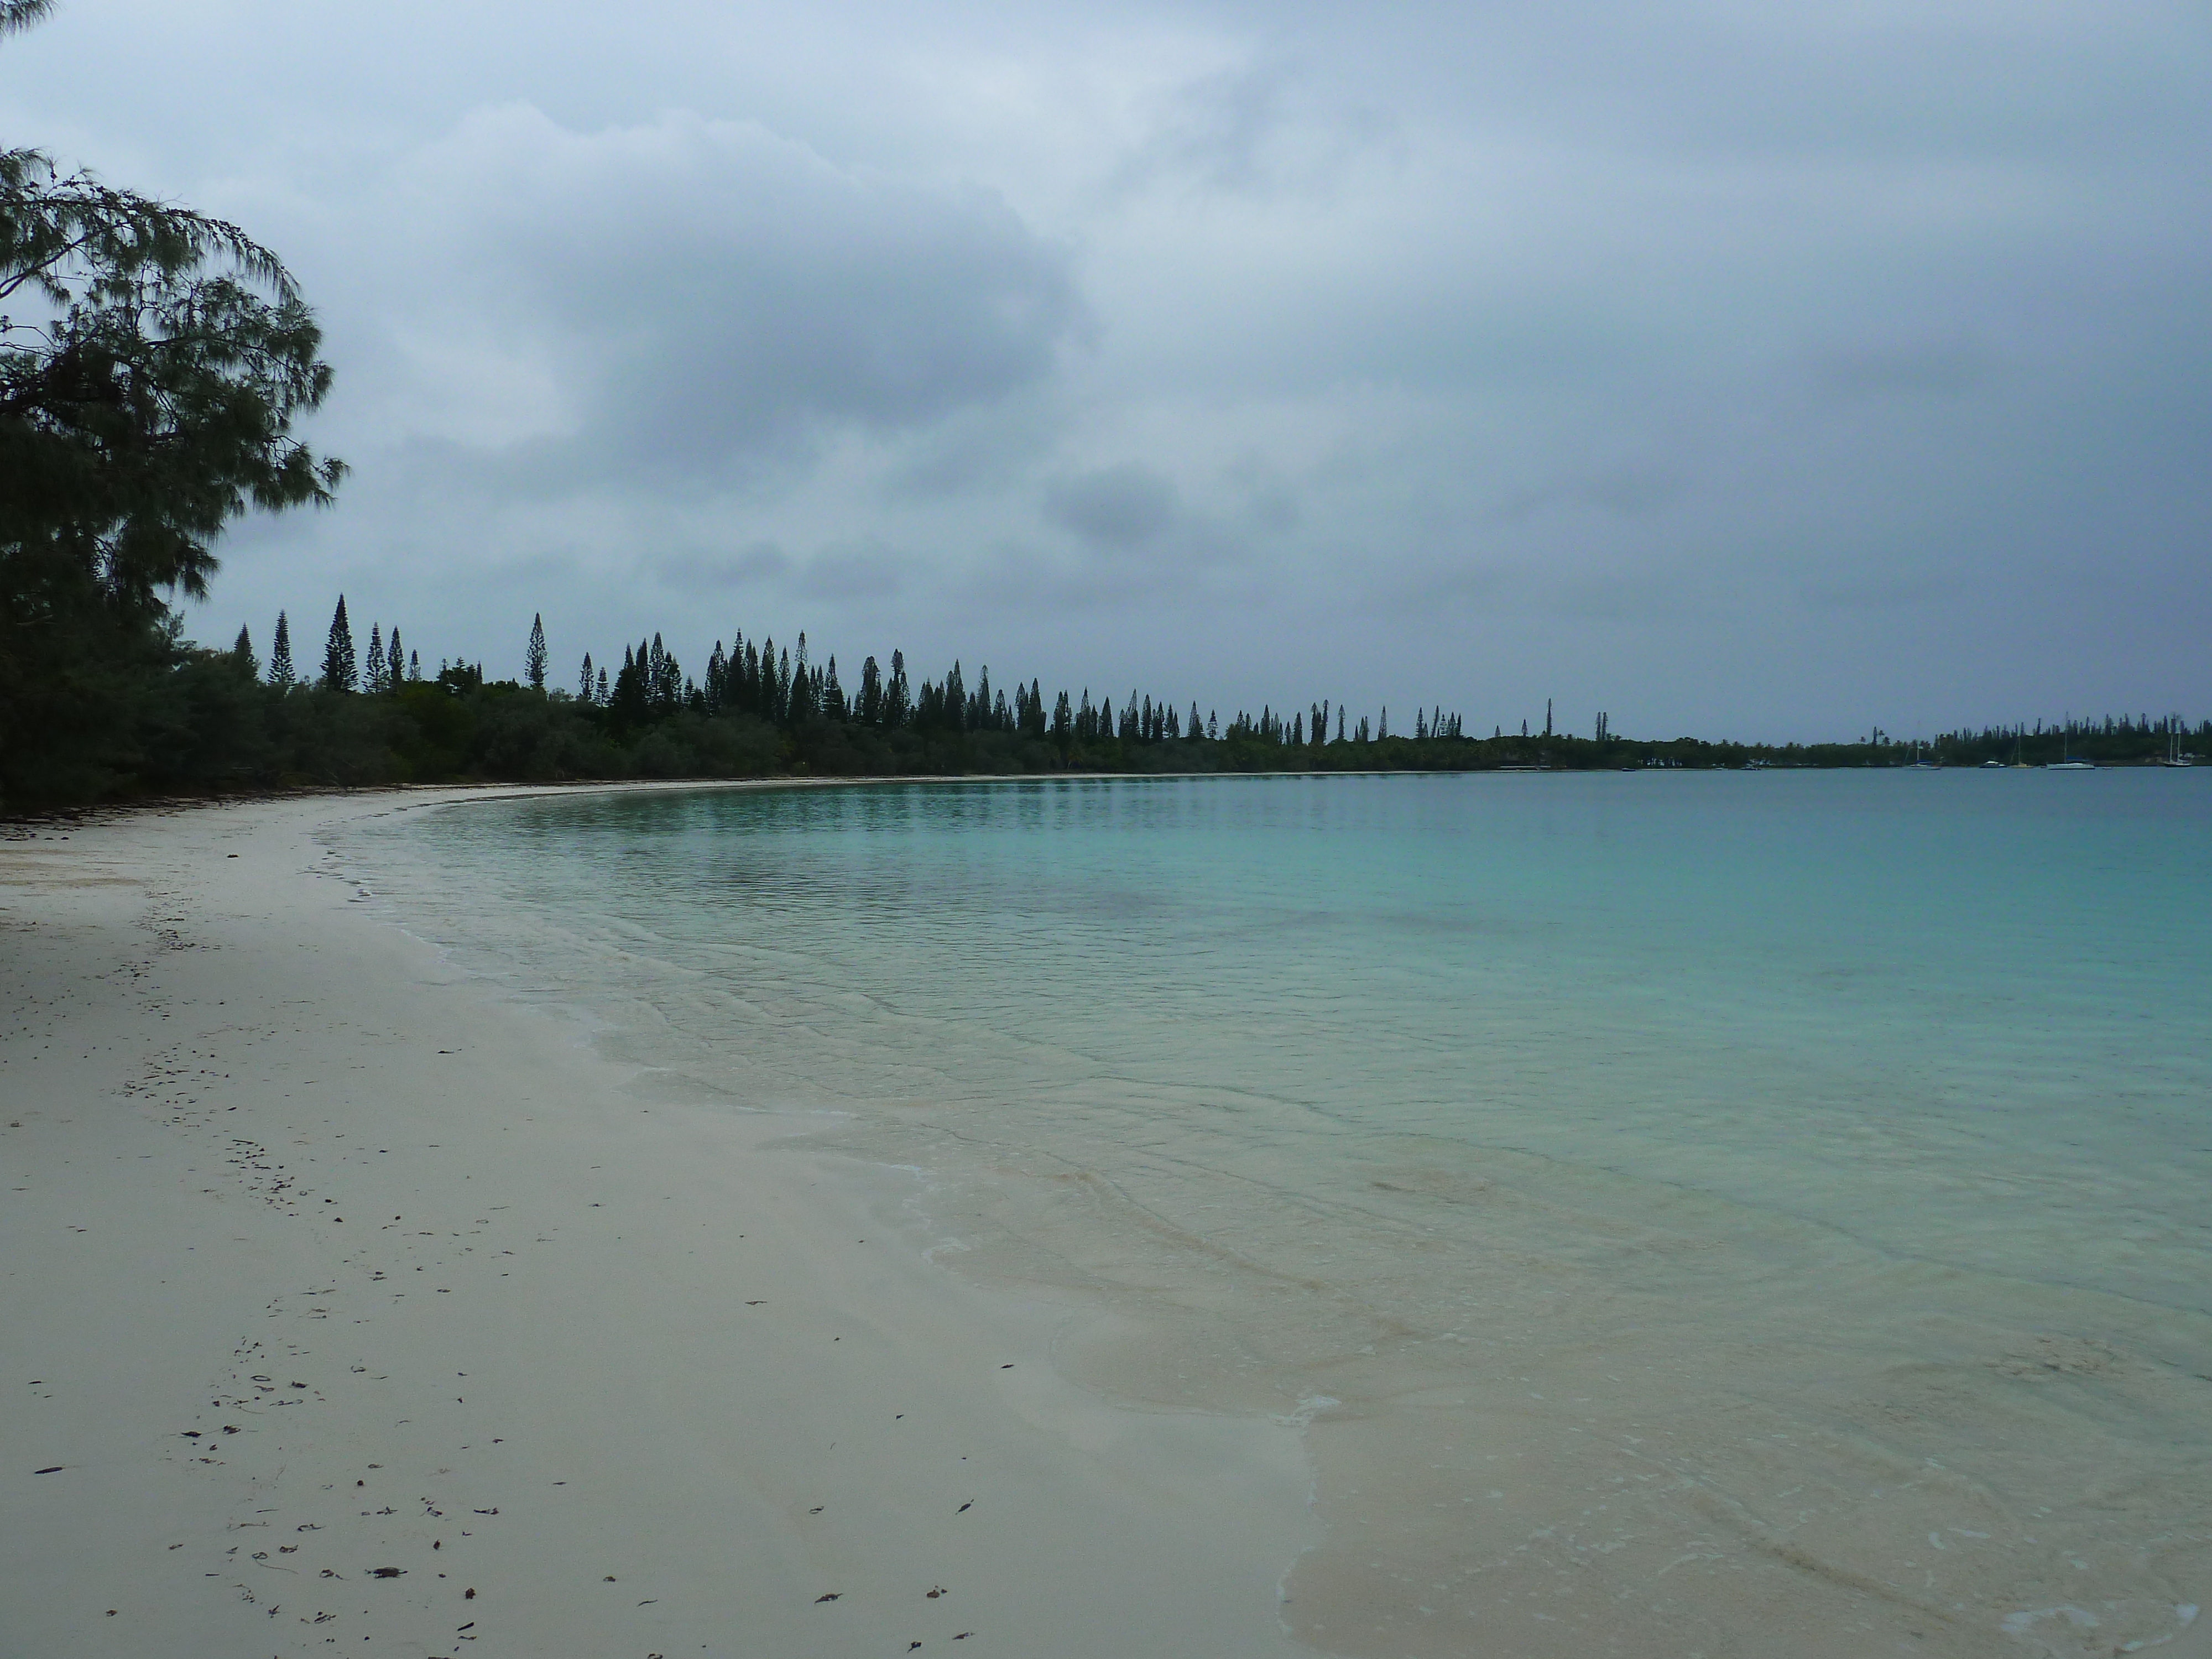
{"x":373,"y":680}
{"x":281,"y":672}
{"x":341,"y":668}
{"x":534,"y":658}
{"x":242,"y":652}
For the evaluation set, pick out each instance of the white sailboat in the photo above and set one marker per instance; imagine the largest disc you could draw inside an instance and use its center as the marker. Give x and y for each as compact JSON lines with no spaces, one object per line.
{"x":2066,"y":763}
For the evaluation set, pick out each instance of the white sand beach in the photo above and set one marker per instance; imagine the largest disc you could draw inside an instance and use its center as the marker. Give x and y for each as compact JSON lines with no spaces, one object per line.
{"x":348,"y":1307}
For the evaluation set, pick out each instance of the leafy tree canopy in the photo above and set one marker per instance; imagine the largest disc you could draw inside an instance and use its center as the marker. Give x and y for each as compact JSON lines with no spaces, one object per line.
{"x":153,"y":401}
{"x":153,"y":360}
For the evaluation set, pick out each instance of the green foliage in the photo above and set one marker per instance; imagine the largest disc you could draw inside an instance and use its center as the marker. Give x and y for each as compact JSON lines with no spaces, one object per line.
{"x":153,"y":403}
{"x":281,"y":672}
{"x":341,"y":669}
{"x":21,"y":14}
{"x":152,"y":361}
{"x":148,"y":714}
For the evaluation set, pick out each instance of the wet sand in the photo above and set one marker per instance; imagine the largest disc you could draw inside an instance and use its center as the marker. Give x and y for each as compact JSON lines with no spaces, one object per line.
{"x":347,"y":1306}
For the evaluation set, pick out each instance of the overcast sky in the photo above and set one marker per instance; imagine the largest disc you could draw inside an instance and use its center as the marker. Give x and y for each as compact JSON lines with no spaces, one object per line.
{"x":1739,"y":368}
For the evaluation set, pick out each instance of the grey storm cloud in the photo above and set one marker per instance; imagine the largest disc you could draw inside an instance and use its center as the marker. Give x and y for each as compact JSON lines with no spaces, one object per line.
{"x":848,"y":573}
{"x":1115,"y":505}
{"x":698,"y":290}
{"x":741,"y":567}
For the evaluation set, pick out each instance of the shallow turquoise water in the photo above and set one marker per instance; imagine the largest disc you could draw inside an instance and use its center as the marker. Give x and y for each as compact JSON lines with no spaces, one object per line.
{"x":1967,"y":1015}
{"x":1796,"y":1090}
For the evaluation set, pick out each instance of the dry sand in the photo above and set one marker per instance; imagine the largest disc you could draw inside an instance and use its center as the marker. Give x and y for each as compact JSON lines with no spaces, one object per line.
{"x":346,"y":1306}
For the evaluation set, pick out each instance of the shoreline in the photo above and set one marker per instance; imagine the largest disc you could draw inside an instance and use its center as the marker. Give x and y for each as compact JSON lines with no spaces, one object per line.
{"x":640,"y":1376}
{"x":20,"y":825}
{"x":706,"y":1370}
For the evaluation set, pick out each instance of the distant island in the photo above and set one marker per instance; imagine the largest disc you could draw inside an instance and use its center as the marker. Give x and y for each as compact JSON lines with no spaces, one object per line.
{"x":194,"y":721}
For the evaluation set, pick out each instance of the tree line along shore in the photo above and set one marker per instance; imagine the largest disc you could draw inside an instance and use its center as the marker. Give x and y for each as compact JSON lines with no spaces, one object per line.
{"x":180,"y":719}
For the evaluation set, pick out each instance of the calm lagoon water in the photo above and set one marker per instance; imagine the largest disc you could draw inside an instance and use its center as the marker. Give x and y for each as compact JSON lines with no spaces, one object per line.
{"x":1589,"y":1159}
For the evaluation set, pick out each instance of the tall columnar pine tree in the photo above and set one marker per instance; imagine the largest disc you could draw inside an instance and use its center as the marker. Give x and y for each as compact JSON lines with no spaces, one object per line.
{"x":533,"y":654}
{"x":371,"y":679}
{"x":869,"y":706}
{"x":665,"y":684}
{"x":341,"y":668}
{"x":241,"y":653}
{"x":395,"y":664}
{"x":627,"y":702}
{"x":718,"y":679}
{"x":955,"y":712}
{"x":897,"y":698}
{"x":282,"y":674}
{"x":584,"y":680}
